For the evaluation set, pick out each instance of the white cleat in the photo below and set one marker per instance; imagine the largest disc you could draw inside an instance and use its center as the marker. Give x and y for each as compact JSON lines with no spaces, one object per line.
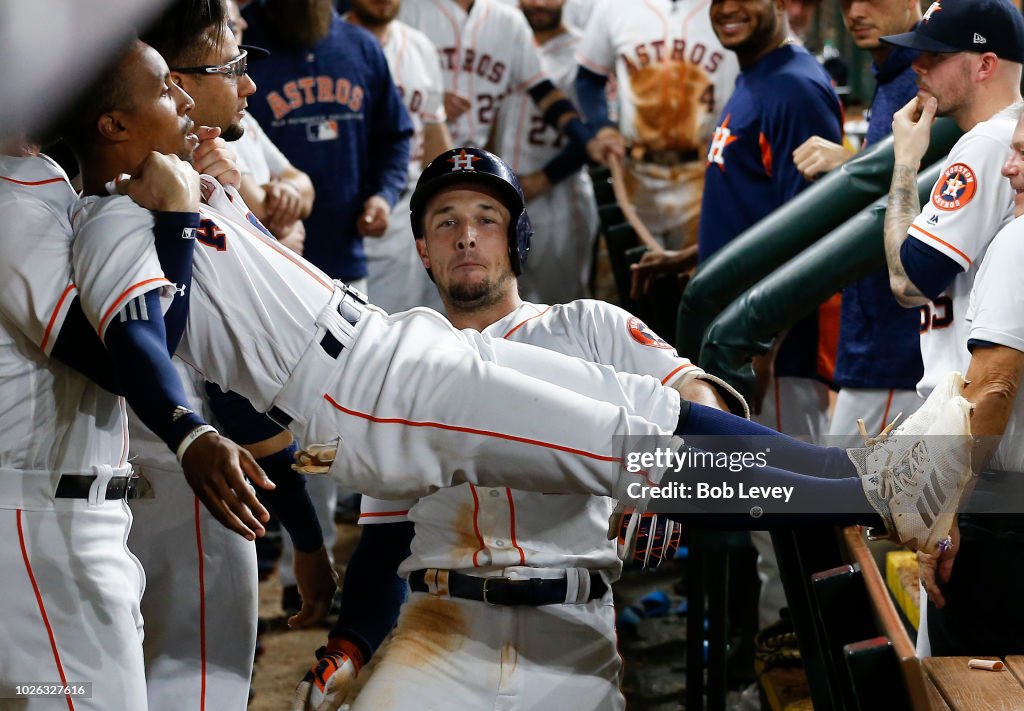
{"x":916,"y":476}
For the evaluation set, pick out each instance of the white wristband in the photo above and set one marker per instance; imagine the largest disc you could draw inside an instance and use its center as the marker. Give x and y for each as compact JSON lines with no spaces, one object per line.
{"x":192,"y":437}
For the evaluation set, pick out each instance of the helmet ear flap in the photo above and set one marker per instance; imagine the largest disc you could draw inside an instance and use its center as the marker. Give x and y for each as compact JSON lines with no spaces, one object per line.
{"x":519,"y":242}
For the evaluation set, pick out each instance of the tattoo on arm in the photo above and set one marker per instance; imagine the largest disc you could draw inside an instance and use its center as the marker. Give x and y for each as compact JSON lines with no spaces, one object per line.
{"x":903,"y":207}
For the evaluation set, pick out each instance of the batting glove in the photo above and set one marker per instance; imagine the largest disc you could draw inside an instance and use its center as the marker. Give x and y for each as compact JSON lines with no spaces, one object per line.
{"x":647,"y":539}
{"x":324,"y":686}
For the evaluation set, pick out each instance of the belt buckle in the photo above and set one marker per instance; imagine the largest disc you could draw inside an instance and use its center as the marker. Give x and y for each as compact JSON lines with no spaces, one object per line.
{"x":487,"y":582}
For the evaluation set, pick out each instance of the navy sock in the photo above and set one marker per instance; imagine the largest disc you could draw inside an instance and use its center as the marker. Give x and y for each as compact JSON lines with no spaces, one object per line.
{"x":716,"y":431}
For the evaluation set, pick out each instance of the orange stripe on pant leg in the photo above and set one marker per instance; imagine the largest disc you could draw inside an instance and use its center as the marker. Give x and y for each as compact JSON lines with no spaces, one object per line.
{"x":202,"y":611}
{"x":42,"y":609}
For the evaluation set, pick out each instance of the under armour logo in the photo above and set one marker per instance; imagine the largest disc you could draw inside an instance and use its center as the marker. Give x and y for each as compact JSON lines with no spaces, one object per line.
{"x":463,"y":161}
{"x":978,"y":39}
{"x":932,"y":9}
{"x":179,"y":289}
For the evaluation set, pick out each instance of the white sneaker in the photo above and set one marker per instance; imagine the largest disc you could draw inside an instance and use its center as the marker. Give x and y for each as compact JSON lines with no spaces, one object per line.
{"x":916,"y":476}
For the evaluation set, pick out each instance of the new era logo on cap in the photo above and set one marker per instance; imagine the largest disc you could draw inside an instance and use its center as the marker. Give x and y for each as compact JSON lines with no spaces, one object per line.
{"x":950,"y":26}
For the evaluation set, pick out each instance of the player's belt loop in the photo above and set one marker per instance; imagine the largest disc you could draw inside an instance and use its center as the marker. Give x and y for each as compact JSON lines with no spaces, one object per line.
{"x":577,"y":585}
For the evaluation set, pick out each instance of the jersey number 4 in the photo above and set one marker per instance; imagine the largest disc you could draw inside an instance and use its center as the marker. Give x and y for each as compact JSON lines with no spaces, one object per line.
{"x":938,"y":314}
{"x":211,"y":235}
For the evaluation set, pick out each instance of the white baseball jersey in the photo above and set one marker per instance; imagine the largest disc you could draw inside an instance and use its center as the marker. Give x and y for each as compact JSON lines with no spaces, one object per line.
{"x":395,"y":279}
{"x":969,"y":204}
{"x":200,"y":603}
{"x":71,"y":588}
{"x":486,"y":530}
{"x":674,"y":76}
{"x":994,"y":315}
{"x":565,"y":218}
{"x":575,"y":13}
{"x":484,"y":54}
{"x":253,"y":328}
{"x":257,"y":154}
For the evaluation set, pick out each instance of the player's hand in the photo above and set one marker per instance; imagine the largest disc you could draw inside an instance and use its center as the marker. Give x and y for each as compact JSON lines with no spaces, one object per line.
{"x":216,"y":468}
{"x":654,"y":264}
{"x":317,"y":584}
{"x":374,"y":220}
{"x":282,"y":203}
{"x":324,"y":686}
{"x":606,"y":143}
{"x":293,"y":237}
{"x":534,"y":185}
{"x":645,"y":540}
{"x":162,"y":182}
{"x":816,"y":156}
{"x":455,"y":105}
{"x":214,"y":158}
{"x":911,"y":131}
{"x":935,"y":568}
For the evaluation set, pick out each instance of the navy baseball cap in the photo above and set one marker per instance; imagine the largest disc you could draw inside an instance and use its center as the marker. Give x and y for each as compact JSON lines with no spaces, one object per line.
{"x":967,"y":26}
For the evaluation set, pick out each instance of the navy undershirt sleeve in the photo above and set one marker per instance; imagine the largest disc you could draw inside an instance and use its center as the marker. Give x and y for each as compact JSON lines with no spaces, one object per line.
{"x":590,"y":97}
{"x":78,"y":346}
{"x":371,"y":601}
{"x":174,"y":238}
{"x":290,"y":501}
{"x":930,"y":270}
{"x":137,"y":342}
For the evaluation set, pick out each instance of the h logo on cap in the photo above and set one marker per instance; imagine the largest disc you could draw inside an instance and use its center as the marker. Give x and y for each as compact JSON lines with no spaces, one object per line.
{"x":463,"y":161}
{"x":932,"y":9}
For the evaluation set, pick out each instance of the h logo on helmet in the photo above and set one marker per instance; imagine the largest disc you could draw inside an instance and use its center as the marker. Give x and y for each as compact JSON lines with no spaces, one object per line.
{"x":932,"y":9}
{"x":463,"y":161}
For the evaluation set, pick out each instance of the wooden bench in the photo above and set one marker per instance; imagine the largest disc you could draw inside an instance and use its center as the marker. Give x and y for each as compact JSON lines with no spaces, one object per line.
{"x":878,"y":667}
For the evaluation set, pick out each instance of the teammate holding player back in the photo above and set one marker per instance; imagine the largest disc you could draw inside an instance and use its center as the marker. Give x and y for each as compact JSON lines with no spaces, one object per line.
{"x":339,"y":371}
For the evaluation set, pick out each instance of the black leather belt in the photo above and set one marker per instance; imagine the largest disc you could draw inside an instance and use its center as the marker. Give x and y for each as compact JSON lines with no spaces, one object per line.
{"x":77,"y":486}
{"x":329,"y":343}
{"x":503,"y":591}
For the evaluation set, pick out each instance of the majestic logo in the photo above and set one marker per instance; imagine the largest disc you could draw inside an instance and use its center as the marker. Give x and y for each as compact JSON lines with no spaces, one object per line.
{"x":955,"y":187}
{"x":463,"y":161}
{"x":932,"y":9}
{"x":643,"y":335}
{"x":722,"y":138}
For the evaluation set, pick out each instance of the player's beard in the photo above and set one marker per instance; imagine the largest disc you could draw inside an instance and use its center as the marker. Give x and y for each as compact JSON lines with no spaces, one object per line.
{"x":480,"y":295}
{"x":372,"y":20}
{"x":544,"y":20}
{"x":301,"y":23}
{"x":233,"y":132}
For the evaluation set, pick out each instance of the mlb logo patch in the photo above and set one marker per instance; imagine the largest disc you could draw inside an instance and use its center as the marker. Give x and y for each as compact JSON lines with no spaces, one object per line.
{"x":322,"y":131}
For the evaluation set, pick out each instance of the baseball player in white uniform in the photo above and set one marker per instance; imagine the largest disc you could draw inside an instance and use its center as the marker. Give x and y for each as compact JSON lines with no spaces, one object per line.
{"x":466,"y":534}
{"x":487,"y":52}
{"x":388,"y":394}
{"x":934,"y":251}
{"x":673,"y":79}
{"x":72,"y":623}
{"x":396,"y":281}
{"x":565,"y":213}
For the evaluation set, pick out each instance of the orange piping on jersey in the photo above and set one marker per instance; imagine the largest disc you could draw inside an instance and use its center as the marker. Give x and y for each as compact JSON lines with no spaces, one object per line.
{"x":476,"y":526}
{"x":664,"y":381}
{"x":472,"y":430}
{"x":766,"y":153}
{"x":885,"y":415}
{"x":529,"y":83}
{"x":943,"y":242}
{"x":383,"y":513}
{"x":42,"y":607}
{"x":524,"y":321}
{"x":124,"y":295}
{"x":33,"y":183}
{"x":202,"y":611}
{"x":593,"y":66}
{"x":512,"y":526}
{"x":53,"y":316}
{"x":281,"y":251}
